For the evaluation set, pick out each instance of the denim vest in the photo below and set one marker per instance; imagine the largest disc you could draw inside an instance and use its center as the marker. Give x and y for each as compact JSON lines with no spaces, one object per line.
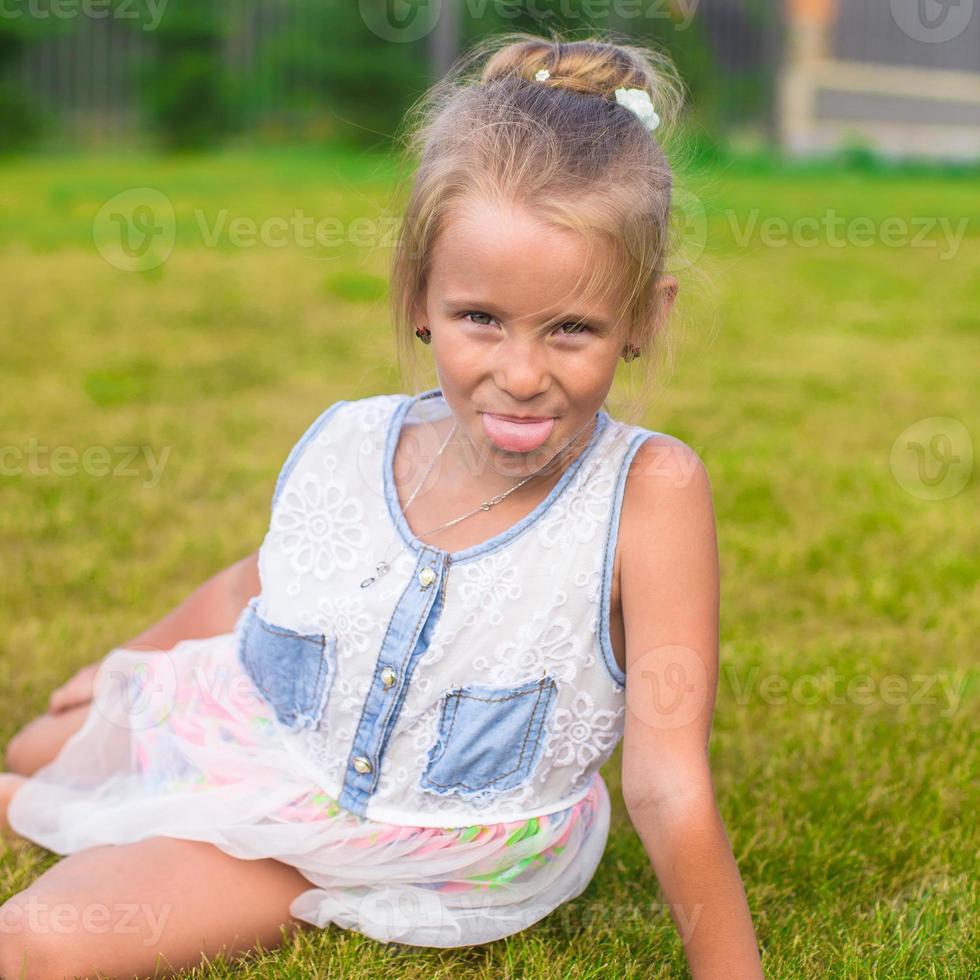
{"x":460,"y":687}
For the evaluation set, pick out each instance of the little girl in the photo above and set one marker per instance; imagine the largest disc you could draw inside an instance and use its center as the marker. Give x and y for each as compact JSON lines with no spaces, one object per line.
{"x":397,"y":714}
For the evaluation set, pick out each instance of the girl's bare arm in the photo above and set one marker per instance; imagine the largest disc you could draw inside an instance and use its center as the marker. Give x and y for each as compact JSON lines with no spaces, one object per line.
{"x":669,"y":584}
{"x":211,"y":609}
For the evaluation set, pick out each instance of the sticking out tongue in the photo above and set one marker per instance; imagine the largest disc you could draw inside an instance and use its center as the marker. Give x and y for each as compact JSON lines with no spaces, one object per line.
{"x":516,"y":437}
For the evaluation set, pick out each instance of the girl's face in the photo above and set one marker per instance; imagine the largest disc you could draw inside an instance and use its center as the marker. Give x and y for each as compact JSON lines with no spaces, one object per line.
{"x":513,"y":335}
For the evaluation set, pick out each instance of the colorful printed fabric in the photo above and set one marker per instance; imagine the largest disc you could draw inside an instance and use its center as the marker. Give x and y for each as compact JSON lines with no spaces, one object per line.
{"x":180,"y":746}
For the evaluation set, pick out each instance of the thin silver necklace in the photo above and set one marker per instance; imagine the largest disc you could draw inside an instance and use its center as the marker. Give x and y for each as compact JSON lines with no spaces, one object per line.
{"x":383,"y":566}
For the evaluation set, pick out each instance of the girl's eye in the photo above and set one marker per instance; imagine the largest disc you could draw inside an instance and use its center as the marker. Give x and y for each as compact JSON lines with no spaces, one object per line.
{"x":575,"y":323}
{"x":582,"y":327}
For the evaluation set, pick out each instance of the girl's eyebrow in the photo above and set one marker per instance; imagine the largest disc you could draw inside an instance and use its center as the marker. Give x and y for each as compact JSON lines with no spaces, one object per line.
{"x":477,"y":304}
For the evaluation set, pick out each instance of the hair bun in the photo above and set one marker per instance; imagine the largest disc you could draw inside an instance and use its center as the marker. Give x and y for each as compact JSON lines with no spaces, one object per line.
{"x":589,"y":67}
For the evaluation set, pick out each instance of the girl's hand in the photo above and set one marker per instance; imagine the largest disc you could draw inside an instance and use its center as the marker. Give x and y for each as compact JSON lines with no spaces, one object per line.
{"x":78,"y":690}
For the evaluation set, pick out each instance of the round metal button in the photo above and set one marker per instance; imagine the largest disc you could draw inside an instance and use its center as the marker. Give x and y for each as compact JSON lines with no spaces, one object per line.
{"x":388,"y":676}
{"x":427,"y":576}
{"x":361,"y":764}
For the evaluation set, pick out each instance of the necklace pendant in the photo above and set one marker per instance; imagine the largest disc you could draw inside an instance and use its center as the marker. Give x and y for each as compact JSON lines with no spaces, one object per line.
{"x":381,"y":569}
{"x":485,"y":505}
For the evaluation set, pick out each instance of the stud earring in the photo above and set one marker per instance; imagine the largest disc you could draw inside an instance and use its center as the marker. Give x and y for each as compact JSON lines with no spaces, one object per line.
{"x":630,"y":351}
{"x":424,"y":334}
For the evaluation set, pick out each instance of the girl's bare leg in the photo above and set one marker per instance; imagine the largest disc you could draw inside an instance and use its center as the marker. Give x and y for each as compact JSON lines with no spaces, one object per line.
{"x":40,"y":740}
{"x":148,"y":908}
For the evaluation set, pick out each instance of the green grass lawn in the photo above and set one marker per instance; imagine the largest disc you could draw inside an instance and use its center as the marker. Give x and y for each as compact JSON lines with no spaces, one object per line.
{"x":799,"y":366}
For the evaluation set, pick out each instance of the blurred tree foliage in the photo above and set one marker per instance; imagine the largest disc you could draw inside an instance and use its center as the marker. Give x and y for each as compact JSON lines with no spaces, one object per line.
{"x":346,"y":70}
{"x":358,"y":66}
{"x":345,"y":81}
{"x":20,"y":123}
{"x":185,"y":86}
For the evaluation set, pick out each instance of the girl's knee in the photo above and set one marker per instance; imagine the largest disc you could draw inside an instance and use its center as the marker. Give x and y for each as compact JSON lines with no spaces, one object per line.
{"x":14,"y":754}
{"x":40,"y":740}
{"x":45,"y":934}
{"x":28,"y":950}
{"x":22,"y":962}
{"x":23,"y":753}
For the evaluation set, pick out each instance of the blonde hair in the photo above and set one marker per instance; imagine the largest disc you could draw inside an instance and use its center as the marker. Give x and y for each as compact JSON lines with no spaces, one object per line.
{"x":564,"y":149}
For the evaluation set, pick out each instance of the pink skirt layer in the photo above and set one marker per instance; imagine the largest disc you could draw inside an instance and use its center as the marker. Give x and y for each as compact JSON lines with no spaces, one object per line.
{"x":162,"y":753}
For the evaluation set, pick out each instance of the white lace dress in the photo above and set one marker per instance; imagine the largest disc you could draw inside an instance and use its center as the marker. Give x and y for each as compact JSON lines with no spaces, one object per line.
{"x":163,"y":754}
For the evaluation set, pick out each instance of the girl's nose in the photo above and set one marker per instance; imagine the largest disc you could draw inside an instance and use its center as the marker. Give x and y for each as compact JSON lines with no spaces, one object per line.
{"x":522,"y":369}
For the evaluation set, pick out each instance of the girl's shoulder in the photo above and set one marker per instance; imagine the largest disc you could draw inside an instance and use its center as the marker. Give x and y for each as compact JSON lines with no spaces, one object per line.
{"x":664,"y":457}
{"x":663,"y":467}
{"x":653,"y":458}
{"x":362,"y":412}
{"x":667,"y":482}
{"x":366,"y":404}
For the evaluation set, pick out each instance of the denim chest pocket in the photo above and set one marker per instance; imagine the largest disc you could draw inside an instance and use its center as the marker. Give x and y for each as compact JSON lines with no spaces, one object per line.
{"x":489,"y":737}
{"x":292,"y":671}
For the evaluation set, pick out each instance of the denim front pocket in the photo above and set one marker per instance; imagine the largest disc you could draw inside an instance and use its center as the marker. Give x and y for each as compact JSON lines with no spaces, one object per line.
{"x":489,"y":738}
{"x":292,"y":671}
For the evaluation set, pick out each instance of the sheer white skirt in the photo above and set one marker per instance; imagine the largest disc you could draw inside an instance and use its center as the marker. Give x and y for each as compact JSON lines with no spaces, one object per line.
{"x":163,"y":754}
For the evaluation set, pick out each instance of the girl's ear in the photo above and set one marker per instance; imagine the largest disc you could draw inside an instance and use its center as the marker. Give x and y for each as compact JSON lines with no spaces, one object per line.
{"x":668,"y":287}
{"x":419,"y":316}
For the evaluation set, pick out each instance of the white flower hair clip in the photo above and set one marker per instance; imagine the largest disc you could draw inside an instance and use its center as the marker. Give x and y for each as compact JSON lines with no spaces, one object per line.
{"x":637,"y":100}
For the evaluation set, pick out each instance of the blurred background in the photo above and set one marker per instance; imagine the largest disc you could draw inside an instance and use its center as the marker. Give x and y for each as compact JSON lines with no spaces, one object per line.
{"x":198,"y":203}
{"x":898,"y":76}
